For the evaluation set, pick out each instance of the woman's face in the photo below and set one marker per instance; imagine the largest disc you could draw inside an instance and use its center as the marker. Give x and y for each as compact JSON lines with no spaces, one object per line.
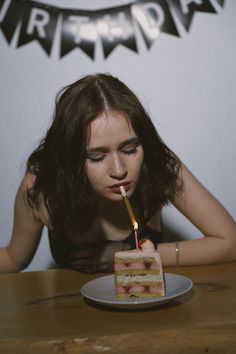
{"x":114,"y":156}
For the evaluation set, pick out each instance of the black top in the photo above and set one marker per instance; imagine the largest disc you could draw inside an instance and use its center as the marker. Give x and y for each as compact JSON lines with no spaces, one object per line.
{"x":92,"y":257}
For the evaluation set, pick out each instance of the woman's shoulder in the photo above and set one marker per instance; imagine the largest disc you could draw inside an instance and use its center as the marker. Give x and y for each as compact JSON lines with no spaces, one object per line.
{"x":28,"y":181}
{"x":39,"y":209}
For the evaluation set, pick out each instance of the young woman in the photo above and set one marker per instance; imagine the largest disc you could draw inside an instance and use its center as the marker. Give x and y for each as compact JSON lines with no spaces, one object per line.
{"x":101,"y":138}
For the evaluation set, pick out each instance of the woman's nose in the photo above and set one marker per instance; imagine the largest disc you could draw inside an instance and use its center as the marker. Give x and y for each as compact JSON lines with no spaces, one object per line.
{"x":117,"y":168}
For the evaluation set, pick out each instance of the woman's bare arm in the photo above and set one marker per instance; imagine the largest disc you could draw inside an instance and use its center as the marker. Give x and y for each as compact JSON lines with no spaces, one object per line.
{"x":26,"y":233}
{"x":217,"y":238}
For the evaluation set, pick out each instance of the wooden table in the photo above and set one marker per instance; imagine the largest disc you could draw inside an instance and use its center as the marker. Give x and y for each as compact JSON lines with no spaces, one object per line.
{"x":44,"y":313}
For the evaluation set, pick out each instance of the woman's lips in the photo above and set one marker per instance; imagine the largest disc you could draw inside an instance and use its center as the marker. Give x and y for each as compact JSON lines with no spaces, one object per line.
{"x":116,"y":188}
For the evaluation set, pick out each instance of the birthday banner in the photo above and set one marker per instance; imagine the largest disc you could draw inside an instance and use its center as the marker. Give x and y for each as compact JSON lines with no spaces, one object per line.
{"x":34,"y":21}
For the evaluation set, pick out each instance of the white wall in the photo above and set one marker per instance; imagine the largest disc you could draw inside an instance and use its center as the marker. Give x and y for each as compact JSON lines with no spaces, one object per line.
{"x":188,"y":85}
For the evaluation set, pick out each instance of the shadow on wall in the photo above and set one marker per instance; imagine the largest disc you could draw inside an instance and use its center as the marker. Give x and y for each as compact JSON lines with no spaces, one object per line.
{"x":52,"y":265}
{"x":170,"y":234}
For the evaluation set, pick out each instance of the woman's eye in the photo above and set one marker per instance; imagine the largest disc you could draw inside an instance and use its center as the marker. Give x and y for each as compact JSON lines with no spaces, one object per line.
{"x":96,"y":158}
{"x":130,"y":151}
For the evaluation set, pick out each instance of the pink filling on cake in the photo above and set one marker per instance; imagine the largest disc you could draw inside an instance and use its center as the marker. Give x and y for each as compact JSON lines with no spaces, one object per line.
{"x":153,"y":289}
{"x":155,"y":266}
{"x":136,"y":266}
{"x":121,"y":290}
{"x":137,"y":289}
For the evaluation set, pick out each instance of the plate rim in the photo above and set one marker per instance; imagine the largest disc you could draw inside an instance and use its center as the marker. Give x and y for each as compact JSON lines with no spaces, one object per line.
{"x":137,"y":301}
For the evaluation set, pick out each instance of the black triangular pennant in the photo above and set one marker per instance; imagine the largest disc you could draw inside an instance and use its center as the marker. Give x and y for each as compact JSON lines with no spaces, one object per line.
{"x":39,"y":23}
{"x":115,"y":26}
{"x":78,"y":31}
{"x":153,"y":17}
{"x":1,"y":4}
{"x":221,"y":2}
{"x":11,"y":19}
{"x":185,"y":11}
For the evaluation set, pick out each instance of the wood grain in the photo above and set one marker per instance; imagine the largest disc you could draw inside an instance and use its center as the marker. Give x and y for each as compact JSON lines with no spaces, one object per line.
{"x":44,"y":312}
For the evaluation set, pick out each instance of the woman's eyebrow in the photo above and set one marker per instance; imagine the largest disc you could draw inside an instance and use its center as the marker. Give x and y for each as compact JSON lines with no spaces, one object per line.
{"x":97,"y":149}
{"x":133,"y":140}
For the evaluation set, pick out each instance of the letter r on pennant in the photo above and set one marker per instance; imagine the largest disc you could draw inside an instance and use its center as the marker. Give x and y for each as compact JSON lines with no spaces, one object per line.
{"x":38,"y":20}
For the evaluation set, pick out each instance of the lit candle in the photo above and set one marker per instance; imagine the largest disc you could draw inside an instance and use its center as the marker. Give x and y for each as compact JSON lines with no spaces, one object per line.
{"x":136,"y":235}
{"x":131,"y":214}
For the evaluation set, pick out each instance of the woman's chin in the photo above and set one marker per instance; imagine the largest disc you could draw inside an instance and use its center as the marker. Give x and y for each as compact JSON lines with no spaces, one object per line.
{"x":111,"y":197}
{"x":114,"y":197}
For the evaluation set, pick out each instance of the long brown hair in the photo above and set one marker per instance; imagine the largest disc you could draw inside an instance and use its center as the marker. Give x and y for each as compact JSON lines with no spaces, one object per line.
{"x":59,"y":160}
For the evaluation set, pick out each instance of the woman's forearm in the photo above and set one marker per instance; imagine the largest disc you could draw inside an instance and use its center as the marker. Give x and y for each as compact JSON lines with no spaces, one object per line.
{"x":206,"y":250}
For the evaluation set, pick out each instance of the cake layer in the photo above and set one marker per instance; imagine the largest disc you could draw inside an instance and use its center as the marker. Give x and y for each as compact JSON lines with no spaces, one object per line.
{"x":139,"y":274}
{"x":140,"y":291}
{"x":138,"y":264}
{"x":132,"y":257}
{"x":136,"y":258}
{"x":135,"y":262}
{"x":129,"y":279}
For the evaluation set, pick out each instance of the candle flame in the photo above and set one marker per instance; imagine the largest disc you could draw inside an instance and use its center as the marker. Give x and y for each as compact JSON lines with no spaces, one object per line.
{"x":135,"y":224}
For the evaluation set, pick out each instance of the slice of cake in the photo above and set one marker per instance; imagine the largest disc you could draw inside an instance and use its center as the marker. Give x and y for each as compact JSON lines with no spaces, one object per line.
{"x":139,"y":273}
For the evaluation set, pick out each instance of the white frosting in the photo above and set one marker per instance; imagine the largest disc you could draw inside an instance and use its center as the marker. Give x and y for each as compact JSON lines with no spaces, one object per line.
{"x":148,"y":246}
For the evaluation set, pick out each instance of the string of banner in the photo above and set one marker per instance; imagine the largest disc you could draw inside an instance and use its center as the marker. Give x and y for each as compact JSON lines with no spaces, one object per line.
{"x":34,"y":21}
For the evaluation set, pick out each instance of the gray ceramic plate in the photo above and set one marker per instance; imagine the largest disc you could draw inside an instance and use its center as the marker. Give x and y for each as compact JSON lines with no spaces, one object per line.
{"x":102,"y":290}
